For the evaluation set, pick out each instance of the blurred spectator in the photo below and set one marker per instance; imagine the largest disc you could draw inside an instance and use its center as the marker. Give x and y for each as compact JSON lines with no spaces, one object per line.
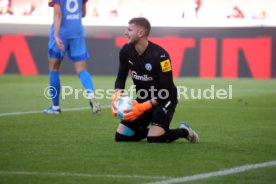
{"x":29,"y":9}
{"x":236,"y":13}
{"x":191,"y":9}
{"x":95,"y":12}
{"x":6,"y":7}
{"x":107,"y":8}
{"x":188,"y":9}
{"x":198,"y":6}
{"x":260,"y":16}
{"x":113,"y":13}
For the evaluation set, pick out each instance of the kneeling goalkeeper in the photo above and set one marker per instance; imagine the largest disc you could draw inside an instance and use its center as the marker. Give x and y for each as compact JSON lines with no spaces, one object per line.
{"x":151,"y":72}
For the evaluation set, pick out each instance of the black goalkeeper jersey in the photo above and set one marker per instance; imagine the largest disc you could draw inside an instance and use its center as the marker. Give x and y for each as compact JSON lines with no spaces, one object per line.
{"x":151,"y":73}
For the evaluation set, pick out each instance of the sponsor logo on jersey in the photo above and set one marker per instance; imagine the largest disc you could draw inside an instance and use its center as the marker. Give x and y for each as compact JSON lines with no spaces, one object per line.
{"x":140,"y":77}
{"x":166,"y":65}
{"x":72,"y":6}
{"x":148,"y":66}
{"x":73,"y":16}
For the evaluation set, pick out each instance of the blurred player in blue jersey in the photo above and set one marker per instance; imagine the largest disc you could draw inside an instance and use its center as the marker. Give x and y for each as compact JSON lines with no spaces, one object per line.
{"x":67,"y":36}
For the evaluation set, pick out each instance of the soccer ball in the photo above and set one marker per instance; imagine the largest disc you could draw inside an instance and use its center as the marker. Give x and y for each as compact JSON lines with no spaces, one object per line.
{"x":122,"y":104}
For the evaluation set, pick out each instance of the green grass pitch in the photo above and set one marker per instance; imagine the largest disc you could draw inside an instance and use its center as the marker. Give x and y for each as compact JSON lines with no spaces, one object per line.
{"x":79,"y":147}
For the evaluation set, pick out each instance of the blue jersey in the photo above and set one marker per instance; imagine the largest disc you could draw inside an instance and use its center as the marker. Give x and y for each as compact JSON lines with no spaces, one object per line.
{"x":71,"y":23}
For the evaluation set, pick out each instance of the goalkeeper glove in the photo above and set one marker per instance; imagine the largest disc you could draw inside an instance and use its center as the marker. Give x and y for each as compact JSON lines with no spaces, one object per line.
{"x":117,"y":95}
{"x":137,"y":110}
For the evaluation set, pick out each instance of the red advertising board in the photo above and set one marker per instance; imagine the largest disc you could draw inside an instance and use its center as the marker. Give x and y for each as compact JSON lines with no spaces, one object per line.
{"x":205,"y":54}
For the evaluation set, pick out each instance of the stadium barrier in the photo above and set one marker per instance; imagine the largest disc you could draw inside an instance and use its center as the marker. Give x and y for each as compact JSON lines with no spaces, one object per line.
{"x":207,"y":52}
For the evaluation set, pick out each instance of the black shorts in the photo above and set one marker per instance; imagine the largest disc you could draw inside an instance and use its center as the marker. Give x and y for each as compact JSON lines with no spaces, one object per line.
{"x":161,"y":115}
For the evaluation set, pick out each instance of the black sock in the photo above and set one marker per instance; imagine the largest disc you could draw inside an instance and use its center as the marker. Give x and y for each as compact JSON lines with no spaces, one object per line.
{"x":170,"y":136}
{"x":174,"y":134}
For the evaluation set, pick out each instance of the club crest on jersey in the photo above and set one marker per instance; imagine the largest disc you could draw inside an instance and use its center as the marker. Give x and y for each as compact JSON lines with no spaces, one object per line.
{"x":166,"y":65}
{"x":148,"y":66}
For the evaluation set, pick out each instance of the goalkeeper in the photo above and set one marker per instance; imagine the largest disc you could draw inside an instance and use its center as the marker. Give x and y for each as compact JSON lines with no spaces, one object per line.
{"x":151,"y":72}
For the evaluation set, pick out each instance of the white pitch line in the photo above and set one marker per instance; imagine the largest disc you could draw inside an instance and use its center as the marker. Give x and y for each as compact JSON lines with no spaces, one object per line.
{"x":168,"y":180}
{"x":41,"y":111}
{"x":217,"y":173}
{"x":107,"y":106}
{"x":67,"y":174}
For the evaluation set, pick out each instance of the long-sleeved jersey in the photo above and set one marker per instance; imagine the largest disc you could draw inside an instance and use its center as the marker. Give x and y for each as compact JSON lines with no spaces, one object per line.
{"x":151,"y":72}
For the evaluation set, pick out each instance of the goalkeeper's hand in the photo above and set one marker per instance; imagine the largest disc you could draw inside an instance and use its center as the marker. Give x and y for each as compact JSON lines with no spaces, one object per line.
{"x":117,"y":95}
{"x":137,"y":110}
